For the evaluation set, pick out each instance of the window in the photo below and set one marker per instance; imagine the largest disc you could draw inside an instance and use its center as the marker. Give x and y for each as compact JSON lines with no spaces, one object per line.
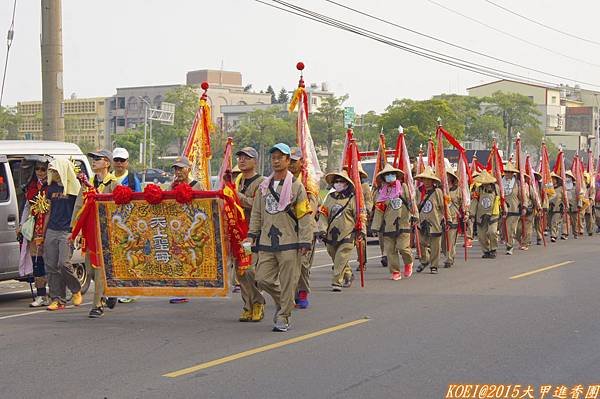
{"x":3,"y":183}
{"x":121,"y":122}
{"x":553,"y":99}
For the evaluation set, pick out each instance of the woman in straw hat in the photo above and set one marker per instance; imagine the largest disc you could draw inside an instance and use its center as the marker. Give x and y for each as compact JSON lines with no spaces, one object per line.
{"x":470,"y":225}
{"x":454,"y":213}
{"x":485,"y":211}
{"x":588,"y":211}
{"x":514,"y":207}
{"x":368,"y":201}
{"x":530,"y":206}
{"x":556,"y":207}
{"x":393,"y":220}
{"x":431,"y":215}
{"x":336,"y":226}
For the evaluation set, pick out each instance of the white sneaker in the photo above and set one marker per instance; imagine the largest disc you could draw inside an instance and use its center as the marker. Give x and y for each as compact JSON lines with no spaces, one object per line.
{"x":39,"y":302}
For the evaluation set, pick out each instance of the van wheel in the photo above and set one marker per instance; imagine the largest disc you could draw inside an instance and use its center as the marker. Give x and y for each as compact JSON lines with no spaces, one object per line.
{"x":83,"y":276}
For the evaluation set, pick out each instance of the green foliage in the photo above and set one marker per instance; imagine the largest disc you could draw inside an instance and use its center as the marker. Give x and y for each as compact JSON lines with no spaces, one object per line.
{"x":283,"y":97}
{"x":130,"y":140}
{"x":367,"y":131}
{"x":327,"y":129}
{"x":186,"y":104}
{"x":482,"y":127}
{"x":273,"y":95}
{"x":9,"y":123}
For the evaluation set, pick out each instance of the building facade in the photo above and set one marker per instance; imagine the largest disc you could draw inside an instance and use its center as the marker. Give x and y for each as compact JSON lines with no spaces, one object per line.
{"x":85,"y":120}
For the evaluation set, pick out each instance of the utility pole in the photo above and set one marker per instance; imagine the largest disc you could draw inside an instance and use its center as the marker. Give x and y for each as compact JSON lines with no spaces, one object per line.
{"x":53,"y":121}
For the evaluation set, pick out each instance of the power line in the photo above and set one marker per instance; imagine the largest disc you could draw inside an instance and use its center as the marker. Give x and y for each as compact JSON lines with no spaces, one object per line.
{"x":447,"y":42}
{"x":9,"y":40}
{"x":420,"y":51}
{"x":511,"y":35}
{"x":542,"y":24}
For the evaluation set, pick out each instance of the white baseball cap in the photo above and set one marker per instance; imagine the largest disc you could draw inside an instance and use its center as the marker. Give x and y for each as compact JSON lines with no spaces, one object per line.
{"x":120,"y":152}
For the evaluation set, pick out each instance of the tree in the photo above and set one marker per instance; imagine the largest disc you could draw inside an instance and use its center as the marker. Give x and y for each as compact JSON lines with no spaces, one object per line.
{"x":327,"y":128}
{"x":516,"y":110}
{"x":283,"y":96}
{"x":263,"y":128}
{"x":130,"y":140}
{"x":367,"y":131}
{"x":185,"y":99}
{"x":272,"y":93}
{"x":419,"y":119}
{"x":484,"y":127}
{"x":9,"y":123}
{"x":247,"y":88}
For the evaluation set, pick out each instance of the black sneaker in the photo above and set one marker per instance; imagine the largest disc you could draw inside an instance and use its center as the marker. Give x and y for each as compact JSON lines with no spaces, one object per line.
{"x":96,"y":313}
{"x":111,"y":302}
{"x":493,"y":254}
{"x":447,"y":265}
{"x":420,"y":268}
{"x":486,"y":255}
{"x":433,"y":270}
{"x":384,"y":261}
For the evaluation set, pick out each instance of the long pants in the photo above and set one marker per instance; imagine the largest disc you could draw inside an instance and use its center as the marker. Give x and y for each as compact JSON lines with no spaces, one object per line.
{"x":306,"y":261}
{"x":97,"y":274}
{"x":57,"y":255}
{"x":511,"y":229}
{"x":556,"y":219}
{"x":451,"y":253}
{"x":277,"y":273}
{"x":487,"y":233}
{"x":431,"y":246}
{"x":394,"y":247}
{"x":589,"y":222}
{"x":537,"y":221}
{"x":574,"y":228}
{"x":364,"y":249}
{"x":340,"y":255}
{"x":525,"y":239}
{"x":469,"y":232}
{"x":597,"y":212}
{"x":248,"y":290}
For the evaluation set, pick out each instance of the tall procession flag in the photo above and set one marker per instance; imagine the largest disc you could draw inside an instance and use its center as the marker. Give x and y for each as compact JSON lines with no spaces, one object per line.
{"x":402,"y":162}
{"x":537,"y":197}
{"x":440,"y":171}
{"x":353,"y":158}
{"x":494,"y":165}
{"x":559,"y":169}
{"x":380,"y":159}
{"x":197,"y":148}
{"x":522,"y":190}
{"x":311,"y":170}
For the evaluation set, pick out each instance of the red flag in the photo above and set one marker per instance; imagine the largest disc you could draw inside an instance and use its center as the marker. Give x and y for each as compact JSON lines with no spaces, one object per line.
{"x":559,"y":169}
{"x":548,"y":187}
{"x":345,"y":161}
{"x":494,"y":166}
{"x":431,"y":154}
{"x":534,"y":188}
{"x":381,"y":159}
{"x":440,"y":171}
{"x":354,"y":173}
{"x":87,"y":225}
{"x":404,"y":166}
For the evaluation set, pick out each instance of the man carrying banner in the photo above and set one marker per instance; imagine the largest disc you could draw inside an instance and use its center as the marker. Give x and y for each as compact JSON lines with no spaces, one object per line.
{"x":102,"y":182}
{"x":515,"y":208}
{"x":281,"y":231}
{"x":454,"y":212}
{"x":247,"y":183}
{"x":392,"y":219}
{"x":182,"y":170}
{"x":431,"y":216}
{"x":485,"y":211}
{"x":337,"y":227}
{"x":312,"y":191}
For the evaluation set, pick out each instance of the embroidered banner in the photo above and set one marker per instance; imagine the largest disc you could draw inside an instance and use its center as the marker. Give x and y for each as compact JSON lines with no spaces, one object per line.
{"x":166,"y":249}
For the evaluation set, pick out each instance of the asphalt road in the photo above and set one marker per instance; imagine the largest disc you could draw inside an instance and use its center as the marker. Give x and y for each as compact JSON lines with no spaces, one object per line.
{"x":471,"y":324}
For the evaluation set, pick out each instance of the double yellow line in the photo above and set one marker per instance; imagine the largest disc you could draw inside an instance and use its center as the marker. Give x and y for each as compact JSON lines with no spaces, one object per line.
{"x":227,"y":359}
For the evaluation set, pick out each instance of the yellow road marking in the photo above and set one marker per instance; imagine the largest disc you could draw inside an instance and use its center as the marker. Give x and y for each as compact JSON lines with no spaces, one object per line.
{"x":230,"y":358}
{"x":543,"y":269}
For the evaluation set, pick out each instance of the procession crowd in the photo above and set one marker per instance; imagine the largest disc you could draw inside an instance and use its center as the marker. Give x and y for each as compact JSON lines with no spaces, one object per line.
{"x":287,"y":215}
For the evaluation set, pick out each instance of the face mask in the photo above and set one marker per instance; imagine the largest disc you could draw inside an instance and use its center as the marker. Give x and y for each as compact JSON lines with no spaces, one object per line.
{"x":569,"y":184}
{"x":390,"y":178}
{"x":340,"y":186}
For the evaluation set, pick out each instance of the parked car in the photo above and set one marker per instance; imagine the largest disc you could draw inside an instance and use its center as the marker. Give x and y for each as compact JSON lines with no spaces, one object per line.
{"x":12,"y":178}
{"x":155,"y":175}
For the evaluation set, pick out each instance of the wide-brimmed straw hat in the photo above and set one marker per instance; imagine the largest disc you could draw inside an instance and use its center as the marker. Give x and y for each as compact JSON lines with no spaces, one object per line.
{"x":485,"y":177}
{"x":330,"y":177}
{"x":389,"y":169}
{"x":570,"y":174}
{"x":552,"y":174}
{"x":428,"y":174}
{"x":361,"y":171}
{"x":452,"y":172}
{"x":510,"y":167}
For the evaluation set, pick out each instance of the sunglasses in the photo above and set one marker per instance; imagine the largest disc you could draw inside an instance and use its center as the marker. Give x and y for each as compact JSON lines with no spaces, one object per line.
{"x":95,"y":158}
{"x":119,"y":160}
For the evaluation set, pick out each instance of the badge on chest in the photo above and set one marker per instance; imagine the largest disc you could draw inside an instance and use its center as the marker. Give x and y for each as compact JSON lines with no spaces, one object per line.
{"x":427,"y":207}
{"x":271,"y":204}
{"x":335,"y":211}
{"x":486,"y":202}
{"x":396,"y":203}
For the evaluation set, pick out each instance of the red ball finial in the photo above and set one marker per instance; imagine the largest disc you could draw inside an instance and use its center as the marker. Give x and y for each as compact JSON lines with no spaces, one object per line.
{"x":204,"y":85}
{"x":300,"y":66}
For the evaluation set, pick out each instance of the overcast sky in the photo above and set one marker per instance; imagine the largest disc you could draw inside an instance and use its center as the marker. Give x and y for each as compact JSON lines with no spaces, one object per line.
{"x":117,"y":43}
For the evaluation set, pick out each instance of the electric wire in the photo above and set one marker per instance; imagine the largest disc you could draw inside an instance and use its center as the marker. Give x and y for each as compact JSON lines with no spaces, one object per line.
{"x":448,"y":43}
{"x":541,"y":23}
{"x":511,"y":35}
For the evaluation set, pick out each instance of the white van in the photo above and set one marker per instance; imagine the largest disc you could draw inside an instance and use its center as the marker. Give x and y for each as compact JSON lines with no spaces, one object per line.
{"x":12,"y":178}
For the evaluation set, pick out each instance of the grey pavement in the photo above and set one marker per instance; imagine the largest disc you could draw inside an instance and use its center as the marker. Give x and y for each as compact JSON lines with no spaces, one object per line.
{"x":469,"y":324}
